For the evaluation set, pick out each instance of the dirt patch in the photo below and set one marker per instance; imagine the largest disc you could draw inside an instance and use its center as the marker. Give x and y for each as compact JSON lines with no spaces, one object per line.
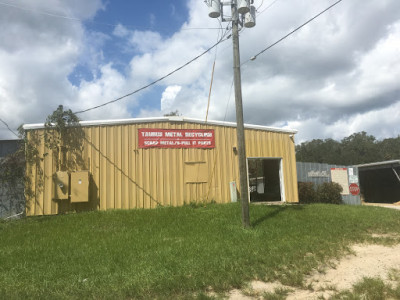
{"x":367,"y":261}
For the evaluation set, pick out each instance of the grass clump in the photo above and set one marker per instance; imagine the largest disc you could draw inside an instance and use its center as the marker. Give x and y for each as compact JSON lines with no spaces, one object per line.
{"x":370,"y":289}
{"x":278,"y":294}
{"x":169,"y":253}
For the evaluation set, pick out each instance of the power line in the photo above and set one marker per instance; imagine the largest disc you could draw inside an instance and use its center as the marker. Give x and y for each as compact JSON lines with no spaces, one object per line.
{"x":8,"y":127}
{"x":54,"y":15}
{"x":293,"y":31}
{"x":42,"y":12}
{"x":262,"y":2}
{"x":265,"y":8}
{"x":155,"y":81}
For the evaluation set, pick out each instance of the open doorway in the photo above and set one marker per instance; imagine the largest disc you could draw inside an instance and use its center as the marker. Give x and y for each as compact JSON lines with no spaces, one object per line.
{"x":265,"y":179}
{"x":380,"y":182}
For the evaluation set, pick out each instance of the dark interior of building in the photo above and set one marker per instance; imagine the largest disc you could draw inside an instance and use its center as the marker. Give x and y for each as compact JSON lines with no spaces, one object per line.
{"x":264,"y":180}
{"x":380,"y":184}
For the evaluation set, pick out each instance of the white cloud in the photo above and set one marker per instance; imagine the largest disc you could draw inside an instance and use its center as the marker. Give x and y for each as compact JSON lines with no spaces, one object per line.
{"x":120,"y":31}
{"x":337,"y":75}
{"x":146,"y":41}
{"x":107,"y":87}
{"x":382,"y":123}
{"x":168,"y":98}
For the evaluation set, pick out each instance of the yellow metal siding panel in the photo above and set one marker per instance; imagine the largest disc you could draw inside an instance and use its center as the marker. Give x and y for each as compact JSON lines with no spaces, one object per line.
{"x":132,"y":166}
{"x":180,"y":182}
{"x":171,"y":176}
{"x":146,"y":178}
{"x":108,"y":167}
{"x":103,"y":168}
{"x":97,"y":156}
{"x":293,"y":170}
{"x":154,"y":168}
{"x":48,"y":183}
{"x":125,"y":167}
{"x":196,"y":172}
{"x":38,"y":210}
{"x":218,"y":154}
{"x":225,"y":150}
{"x":140,"y":179}
{"x":160,"y":177}
{"x":118,"y":168}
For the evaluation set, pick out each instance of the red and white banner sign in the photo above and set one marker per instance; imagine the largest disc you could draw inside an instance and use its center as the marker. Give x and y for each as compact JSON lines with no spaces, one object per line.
{"x":176,"y":138}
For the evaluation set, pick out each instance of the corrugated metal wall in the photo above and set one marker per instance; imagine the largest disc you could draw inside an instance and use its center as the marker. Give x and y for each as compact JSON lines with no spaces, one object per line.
{"x":322,"y":173}
{"x":124,"y":176}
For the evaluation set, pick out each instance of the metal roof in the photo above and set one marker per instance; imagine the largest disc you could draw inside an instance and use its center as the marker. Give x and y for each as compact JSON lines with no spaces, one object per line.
{"x":380,"y":165}
{"x":167,"y":119}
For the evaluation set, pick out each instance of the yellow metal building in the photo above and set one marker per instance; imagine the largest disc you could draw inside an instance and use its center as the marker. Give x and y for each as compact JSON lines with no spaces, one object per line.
{"x":122,"y":165}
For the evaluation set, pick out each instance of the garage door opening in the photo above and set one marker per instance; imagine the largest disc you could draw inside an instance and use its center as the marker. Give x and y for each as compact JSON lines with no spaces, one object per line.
{"x":265,"y":179}
{"x":380,"y":182}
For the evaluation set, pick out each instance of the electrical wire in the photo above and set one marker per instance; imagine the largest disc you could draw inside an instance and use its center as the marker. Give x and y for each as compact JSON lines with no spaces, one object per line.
{"x":8,"y":127}
{"x":153,"y":82}
{"x":42,"y":12}
{"x":223,"y":34}
{"x":216,"y":150}
{"x":54,"y":15}
{"x":259,"y":13}
{"x":290,"y":33}
{"x":262,"y":2}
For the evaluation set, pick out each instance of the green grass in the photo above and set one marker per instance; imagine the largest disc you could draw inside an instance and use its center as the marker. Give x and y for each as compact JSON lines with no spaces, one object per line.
{"x":176,"y":252}
{"x":370,"y":289}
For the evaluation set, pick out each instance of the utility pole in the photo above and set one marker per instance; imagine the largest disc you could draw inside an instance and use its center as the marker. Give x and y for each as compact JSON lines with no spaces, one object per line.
{"x":248,"y":18}
{"x":244,"y":187}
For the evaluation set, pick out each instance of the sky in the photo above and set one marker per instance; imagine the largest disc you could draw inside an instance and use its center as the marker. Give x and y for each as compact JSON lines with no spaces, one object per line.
{"x":337,"y":75}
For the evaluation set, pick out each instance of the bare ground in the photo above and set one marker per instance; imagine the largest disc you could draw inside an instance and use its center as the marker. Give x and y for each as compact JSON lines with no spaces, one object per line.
{"x":367,"y":261}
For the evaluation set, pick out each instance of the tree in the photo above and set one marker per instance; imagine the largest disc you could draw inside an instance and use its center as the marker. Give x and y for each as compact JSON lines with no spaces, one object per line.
{"x":355,"y":149}
{"x":359,"y":148}
{"x":64,"y":136}
{"x":320,"y":151}
{"x":389,"y":149}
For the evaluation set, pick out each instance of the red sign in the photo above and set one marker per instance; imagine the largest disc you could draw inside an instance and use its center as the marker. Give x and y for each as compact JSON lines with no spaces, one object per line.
{"x":354,"y":189}
{"x":176,"y":138}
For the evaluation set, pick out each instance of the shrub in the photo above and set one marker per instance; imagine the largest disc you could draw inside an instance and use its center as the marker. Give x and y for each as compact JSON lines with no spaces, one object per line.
{"x":307,"y":193}
{"x":329,"y":192}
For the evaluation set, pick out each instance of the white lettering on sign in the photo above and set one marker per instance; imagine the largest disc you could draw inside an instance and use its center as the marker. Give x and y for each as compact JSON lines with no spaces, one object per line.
{"x":198,"y":134}
{"x":173,"y":134}
{"x":152,"y":134}
{"x":176,"y":138}
{"x":318,"y":174}
{"x":151,"y":143}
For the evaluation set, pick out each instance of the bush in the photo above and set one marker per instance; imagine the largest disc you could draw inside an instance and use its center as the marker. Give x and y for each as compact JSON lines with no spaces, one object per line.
{"x":307,"y":193}
{"x":327,"y":192}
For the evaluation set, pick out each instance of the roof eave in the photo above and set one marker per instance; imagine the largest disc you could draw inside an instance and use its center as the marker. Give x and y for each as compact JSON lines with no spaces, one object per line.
{"x":167,"y":119}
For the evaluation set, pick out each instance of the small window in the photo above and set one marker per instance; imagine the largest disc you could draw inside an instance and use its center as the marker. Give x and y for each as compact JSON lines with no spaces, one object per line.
{"x":196,"y":172}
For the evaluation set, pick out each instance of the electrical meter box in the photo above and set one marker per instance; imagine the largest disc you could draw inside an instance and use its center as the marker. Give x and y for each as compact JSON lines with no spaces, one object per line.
{"x":80,"y":186}
{"x":60,"y":185}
